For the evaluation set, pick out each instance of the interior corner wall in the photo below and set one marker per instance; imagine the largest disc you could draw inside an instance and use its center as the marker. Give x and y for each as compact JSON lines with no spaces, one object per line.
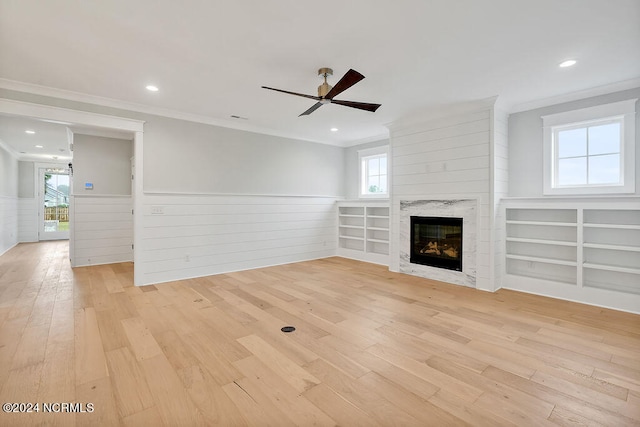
{"x":499,"y":168}
{"x":8,"y":201}
{"x":352,"y":168}
{"x":525,"y":142}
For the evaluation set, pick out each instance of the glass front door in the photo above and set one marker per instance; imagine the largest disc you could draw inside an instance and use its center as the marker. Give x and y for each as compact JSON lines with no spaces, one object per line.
{"x":54,"y":204}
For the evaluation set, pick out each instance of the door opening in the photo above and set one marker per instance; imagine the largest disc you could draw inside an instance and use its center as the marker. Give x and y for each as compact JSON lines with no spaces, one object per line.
{"x":54,"y":189}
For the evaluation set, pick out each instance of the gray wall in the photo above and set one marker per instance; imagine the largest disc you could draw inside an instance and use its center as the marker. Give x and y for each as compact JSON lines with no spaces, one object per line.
{"x":525,"y":142}
{"x":8,"y":174}
{"x":26,"y":185}
{"x":105,"y":162}
{"x":352,"y":168}
{"x":190,"y":157}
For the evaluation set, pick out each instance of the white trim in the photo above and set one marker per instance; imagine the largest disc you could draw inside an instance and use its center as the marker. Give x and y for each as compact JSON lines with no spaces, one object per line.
{"x":186,"y":193}
{"x":624,"y":109}
{"x":576,"y":96}
{"x":382,"y":150}
{"x":47,"y":112}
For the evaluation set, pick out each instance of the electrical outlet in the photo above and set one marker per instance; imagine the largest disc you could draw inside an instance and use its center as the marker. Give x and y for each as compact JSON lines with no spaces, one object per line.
{"x":187,"y":258}
{"x":157,"y":210}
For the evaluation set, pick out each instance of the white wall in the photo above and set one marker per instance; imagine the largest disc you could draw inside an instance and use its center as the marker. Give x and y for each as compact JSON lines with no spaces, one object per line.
{"x":102,"y":230}
{"x":27,"y":203}
{"x":499,"y":171}
{"x":198,"y":235}
{"x":442,"y":158}
{"x":525,"y":142}
{"x":8,"y":200}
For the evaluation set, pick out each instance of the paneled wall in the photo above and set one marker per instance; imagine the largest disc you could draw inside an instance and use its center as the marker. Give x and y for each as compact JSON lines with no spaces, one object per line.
{"x":8,"y":223}
{"x":103,"y":230}
{"x":27,"y":219}
{"x":445,"y":158}
{"x":197,"y":235}
{"x":500,"y":189}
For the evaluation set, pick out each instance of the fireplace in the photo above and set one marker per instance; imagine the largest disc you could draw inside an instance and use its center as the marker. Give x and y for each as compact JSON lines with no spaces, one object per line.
{"x":436,"y":242}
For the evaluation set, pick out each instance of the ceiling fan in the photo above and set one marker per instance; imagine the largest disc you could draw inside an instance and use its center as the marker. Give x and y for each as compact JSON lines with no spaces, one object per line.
{"x":326,"y":92}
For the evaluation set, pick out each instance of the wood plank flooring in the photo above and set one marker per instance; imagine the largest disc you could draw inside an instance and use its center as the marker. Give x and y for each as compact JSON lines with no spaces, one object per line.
{"x":371,"y":348}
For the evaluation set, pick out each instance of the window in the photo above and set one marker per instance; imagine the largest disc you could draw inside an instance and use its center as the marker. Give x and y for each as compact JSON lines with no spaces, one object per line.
{"x":374,"y":172}
{"x":590,"y":151}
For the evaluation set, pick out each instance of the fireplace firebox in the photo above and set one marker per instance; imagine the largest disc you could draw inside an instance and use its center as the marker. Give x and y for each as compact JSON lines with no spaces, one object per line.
{"x":436,"y":242}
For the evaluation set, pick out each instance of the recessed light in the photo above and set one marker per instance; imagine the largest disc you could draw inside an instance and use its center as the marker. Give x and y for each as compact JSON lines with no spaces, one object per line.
{"x":39,"y":146}
{"x":30,"y":132}
{"x":334,"y":129}
{"x":568,"y":63}
{"x":152,"y":88}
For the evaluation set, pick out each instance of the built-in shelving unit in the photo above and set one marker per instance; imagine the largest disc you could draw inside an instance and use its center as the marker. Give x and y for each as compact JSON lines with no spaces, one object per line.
{"x":363,"y":231}
{"x":592,"y":248}
{"x":612,"y":249}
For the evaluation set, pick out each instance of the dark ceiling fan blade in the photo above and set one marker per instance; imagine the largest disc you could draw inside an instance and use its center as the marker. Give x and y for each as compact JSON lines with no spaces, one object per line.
{"x":358,"y":105}
{"x":317,"y":98}
{"x":350,"y":78}
{"x":313,"y":108}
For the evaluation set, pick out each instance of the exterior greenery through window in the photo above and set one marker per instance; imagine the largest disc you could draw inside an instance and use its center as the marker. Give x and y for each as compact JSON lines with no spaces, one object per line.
{"x":374,"y":172}
{"x":590,"y":150}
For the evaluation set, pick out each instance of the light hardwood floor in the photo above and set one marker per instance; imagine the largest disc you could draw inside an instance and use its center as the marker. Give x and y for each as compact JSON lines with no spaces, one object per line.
{"x":371,"y":348}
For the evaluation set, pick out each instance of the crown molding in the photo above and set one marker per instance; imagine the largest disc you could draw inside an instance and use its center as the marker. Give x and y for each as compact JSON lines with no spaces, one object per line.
{"x":576,"y":96}
{"x":374,"y":138}
{"x":13,"y":153}
{"x":147,"y":109}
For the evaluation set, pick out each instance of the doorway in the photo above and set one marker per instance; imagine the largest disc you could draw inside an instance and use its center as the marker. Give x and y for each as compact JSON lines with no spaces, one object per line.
{"x":54,"y":189}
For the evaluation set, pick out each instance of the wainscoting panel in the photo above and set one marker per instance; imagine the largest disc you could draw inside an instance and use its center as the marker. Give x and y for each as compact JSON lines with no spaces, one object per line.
{"x":9,"y":223}
{"x":27,"y":220}
{"x":103,"y":230}
{"x":197,"y":235}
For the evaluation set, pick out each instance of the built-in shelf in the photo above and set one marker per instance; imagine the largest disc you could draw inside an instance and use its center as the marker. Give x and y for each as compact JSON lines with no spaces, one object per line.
{"x":612,"y":268}
{"x":616,"y":226}
{"x":612,"y":247}
{"x":541,"y":241}
{"x":591,"y":247}
{"x":363,"y":231}
{"x":542,"y":260}
{"x":544,"y":223}
{"x":351,"y":238}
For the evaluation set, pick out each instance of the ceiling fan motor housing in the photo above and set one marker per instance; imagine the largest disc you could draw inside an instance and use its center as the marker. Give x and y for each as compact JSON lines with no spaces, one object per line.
{"x":325,"y":87}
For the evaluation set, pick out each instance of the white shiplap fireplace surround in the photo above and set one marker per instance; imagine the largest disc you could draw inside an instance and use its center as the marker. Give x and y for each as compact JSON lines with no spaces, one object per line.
{"x":451,"y":163}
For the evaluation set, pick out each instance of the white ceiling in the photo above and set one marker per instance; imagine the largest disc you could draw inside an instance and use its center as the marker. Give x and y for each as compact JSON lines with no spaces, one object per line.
{"x":209,"y":58}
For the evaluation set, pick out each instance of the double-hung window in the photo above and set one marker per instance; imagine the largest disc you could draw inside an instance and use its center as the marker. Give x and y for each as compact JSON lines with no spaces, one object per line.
{"x":590,"y":151}
{"x":374,"y":174}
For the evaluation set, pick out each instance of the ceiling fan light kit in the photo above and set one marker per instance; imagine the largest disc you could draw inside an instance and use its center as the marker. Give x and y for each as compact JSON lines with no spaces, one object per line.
{"x":326,"y":92}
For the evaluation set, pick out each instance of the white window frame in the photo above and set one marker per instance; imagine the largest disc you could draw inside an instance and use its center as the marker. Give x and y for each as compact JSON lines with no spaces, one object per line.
{"x":624,"y":110}
{"x":362,"y":156}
